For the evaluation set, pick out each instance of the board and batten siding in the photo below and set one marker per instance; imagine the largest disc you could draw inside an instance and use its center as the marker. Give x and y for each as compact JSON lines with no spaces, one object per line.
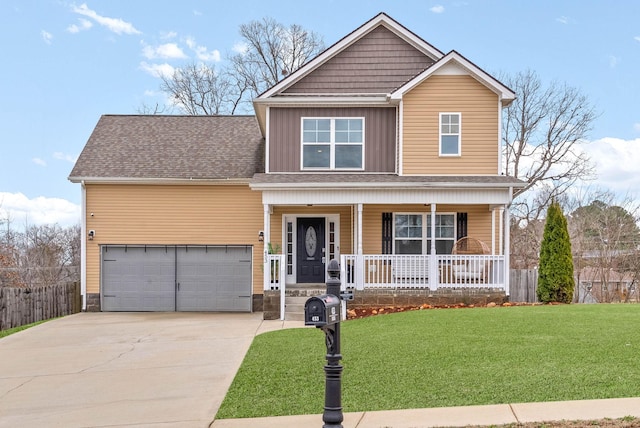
{"x":450,"y":94}
{"x":172,"y":214}
{"x":478,"y":222}
{"x":285,"y":136}
{"x":378,"y":63}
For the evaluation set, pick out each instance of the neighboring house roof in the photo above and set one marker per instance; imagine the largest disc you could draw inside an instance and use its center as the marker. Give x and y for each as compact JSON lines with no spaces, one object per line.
{"x":298,"y":180}
{"x":140,"y":148}
{"x":596,"y":275}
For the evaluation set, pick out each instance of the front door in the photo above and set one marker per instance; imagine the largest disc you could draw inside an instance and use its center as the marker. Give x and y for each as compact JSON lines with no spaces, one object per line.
{"x":310,"y":250}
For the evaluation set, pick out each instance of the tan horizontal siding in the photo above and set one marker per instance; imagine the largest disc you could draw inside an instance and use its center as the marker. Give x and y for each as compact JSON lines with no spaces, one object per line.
{"x":148,"y":214}
{"x":478,"y":221}
{"x":453,"y":94}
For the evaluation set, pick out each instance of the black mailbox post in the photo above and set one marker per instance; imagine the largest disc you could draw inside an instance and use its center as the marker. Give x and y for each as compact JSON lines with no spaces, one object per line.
{"x":325,"y":312}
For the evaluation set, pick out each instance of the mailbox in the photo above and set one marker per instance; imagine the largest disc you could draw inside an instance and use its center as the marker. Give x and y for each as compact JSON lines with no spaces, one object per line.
{"x":322,"y":310}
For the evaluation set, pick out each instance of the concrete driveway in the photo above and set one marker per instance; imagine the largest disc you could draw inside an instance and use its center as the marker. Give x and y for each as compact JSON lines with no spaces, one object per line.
{"x":123,"y":369}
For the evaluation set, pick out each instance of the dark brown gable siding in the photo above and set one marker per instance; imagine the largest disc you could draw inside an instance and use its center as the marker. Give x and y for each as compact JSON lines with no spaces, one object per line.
{"x":380,"y":136}
{"x":377,"y":63}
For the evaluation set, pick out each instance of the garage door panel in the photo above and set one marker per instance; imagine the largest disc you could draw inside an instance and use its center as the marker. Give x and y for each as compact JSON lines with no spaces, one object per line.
{"x":214,"y":278}
{"x":182,"y":278}
{"x":138,"y":279}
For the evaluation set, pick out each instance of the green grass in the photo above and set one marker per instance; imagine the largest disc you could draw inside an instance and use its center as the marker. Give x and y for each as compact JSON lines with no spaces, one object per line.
{"x":441,"y":358}
{"x":9,"y":331}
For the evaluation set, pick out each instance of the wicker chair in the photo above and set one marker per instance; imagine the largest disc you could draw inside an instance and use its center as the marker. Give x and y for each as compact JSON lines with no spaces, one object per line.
{"x":470,"y":270}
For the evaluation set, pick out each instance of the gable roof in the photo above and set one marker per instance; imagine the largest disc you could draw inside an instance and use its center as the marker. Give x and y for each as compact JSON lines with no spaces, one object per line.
{"x":380,"y":19}
{"x":149,"y":148}
{"x":456,"y":59}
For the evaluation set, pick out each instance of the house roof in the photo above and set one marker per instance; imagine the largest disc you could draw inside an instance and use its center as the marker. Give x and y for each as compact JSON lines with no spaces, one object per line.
{"x":309,"y":180}
{"x":139,"y":148}
{"x":457,"y":60}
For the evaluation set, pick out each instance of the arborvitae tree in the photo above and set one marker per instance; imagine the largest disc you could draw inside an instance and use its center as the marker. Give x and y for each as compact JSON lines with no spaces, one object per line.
{"x":555,"y":273}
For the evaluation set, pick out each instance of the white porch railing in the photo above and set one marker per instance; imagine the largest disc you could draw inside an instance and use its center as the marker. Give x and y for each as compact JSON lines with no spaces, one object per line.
{"x":416,"y":271}
{"x":274,"y":277}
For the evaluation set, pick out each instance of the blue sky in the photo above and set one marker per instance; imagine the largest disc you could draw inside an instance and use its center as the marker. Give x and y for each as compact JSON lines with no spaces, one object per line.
{"x":68,"y":63}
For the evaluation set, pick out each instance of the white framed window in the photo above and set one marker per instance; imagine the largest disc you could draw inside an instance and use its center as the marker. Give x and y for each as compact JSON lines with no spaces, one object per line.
{"x":450,"y":134}
{"x":333,"y":143}
{"x":412,"y":233}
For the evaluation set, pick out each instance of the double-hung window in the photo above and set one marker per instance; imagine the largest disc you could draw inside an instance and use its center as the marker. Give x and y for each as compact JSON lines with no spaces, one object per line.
{"x":333,"y":143}
{"x":450,"y":126}
{"x":412,"y":233}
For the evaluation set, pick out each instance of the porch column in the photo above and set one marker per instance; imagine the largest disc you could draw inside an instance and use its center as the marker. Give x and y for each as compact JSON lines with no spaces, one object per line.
{"x":507,"y":248}
{"x":265,"y":247}
{"x":433,"y":259}
{"x":359,"y":229}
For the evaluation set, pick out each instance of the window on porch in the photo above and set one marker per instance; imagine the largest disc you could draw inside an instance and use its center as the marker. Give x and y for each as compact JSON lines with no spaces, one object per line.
{"x":412,"y":233}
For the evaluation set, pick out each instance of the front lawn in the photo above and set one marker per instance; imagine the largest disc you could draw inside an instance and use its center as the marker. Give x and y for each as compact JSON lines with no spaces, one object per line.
{"x":447,"y":357}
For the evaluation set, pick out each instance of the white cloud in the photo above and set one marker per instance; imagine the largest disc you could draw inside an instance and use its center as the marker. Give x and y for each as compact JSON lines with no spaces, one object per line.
{"x":65,"y":157}
{"x":240,"y":47}
{"x":617,"y":163}
{"x":166,"y":51}
{"x":115,"y":25}
{"x":636,"y":127}
{"x":158,"y":70}
{"x":20,"y":210}
{"x":637,"y":38}
{"x":197,"y":13}
{"x":613,"y":61}
{"x":166,"y":35}
{"x":39,"y":161}
{"x":46,"y":36}
{"x":437,"y":9}
{"x":563,"y":20}
{"x":84,"y":25}
{"x":202,"y":53}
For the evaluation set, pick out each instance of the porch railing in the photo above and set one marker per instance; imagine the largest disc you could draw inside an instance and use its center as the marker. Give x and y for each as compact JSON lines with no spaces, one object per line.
{"x":274,"y":277}
{"x":423,"y":271}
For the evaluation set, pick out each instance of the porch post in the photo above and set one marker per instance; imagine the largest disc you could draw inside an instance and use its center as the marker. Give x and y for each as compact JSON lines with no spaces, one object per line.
{"x":359,"y":258}
{"x":433,"y":260}
{"x":507,"y":248}
{"x":266,"y":280}
{"x":359,"y":229}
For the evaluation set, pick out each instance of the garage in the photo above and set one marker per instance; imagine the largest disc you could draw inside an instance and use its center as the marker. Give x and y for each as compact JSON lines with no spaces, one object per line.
{"x":178,"y":278}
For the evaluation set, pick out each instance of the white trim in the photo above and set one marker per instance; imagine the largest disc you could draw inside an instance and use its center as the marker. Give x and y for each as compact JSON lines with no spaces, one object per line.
{"x":380,"y":19}
{"x":459,"y":134}
{"x":160,"y":181}
{"x":500,"y":154}
{"x":400,"y":138}
{"x":83,"y":246}
{"x":331,"y":143}
{"x":335,"y":218}
{"x":267,"y":140}
{"x":476,"y":72}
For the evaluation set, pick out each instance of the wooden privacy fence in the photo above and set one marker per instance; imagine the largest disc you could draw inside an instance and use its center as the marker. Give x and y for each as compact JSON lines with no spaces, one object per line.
{"x":20,"y":306}
{"x":522,"y":285}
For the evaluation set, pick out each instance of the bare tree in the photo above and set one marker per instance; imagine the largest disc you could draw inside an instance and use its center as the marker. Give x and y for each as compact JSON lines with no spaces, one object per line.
{"x":273,"y":51}
{"x":199,"y":89}
{"x":605,"y":240}
{"x":542,"y":130}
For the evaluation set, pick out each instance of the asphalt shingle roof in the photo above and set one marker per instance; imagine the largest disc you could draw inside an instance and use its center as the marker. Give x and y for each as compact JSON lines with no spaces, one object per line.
{"x":172,"y":147}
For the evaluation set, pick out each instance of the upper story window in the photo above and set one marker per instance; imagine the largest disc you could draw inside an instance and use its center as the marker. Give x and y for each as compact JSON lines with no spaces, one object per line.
{"x":333,"y":143}
{"x":450,"y":125}
{"x":412,"y":233}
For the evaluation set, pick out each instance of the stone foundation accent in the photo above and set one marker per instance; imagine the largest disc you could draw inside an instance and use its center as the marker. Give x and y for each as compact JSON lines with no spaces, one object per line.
{"x":257,"y":303}
{"x":271,"y":305}
{"x":376,"y":298}
{"x":93,"y":302}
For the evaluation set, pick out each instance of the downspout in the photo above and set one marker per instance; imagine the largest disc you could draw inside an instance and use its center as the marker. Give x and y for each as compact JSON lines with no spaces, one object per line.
{"x":83,"y":246}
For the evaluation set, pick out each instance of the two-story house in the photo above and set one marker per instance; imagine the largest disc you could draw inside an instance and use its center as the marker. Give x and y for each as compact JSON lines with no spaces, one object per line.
{"x":382,"y":152}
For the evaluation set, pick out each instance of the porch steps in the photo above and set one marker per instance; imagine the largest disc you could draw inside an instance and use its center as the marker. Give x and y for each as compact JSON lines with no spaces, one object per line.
{"x":294,"y":301}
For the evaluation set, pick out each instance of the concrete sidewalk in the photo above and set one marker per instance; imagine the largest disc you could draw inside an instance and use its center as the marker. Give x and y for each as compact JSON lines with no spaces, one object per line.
{"x":457,"y":416}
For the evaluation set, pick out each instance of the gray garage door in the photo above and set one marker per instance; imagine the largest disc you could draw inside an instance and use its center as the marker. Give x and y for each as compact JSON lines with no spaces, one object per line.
{"x":176,"y":278}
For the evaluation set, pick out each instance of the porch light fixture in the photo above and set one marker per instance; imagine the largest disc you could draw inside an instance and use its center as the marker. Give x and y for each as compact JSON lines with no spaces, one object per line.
{"x":261,"y":236}
{"x":92,"y":233}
